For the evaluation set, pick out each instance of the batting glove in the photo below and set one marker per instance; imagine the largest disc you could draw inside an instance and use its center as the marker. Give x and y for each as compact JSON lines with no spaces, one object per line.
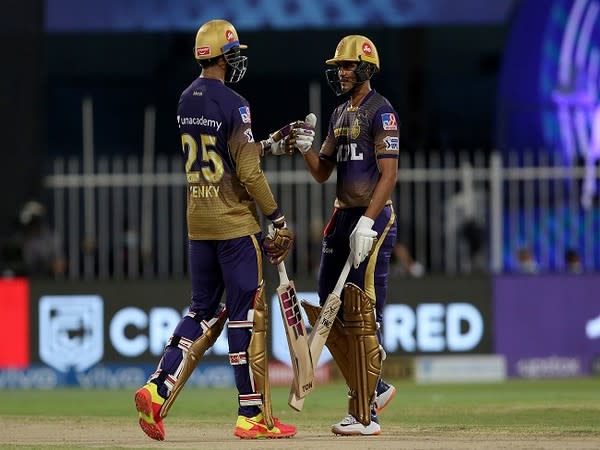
{"x":362,"y":239}
{"x":278,"y":142}
{"x":278,"y":243}
{"x":303,"y":133}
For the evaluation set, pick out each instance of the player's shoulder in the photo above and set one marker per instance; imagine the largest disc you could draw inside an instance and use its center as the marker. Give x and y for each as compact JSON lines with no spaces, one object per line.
{"x":378,"y":102}
{"x":215,"y":89}
{"x":230,"y":96}
{"x":339,"y":109}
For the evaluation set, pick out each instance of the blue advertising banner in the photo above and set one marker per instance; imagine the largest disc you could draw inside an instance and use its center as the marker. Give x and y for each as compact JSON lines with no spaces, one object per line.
{"x":108,"y":376}
{"x":137,"y":15}
{"x":547,"y":326}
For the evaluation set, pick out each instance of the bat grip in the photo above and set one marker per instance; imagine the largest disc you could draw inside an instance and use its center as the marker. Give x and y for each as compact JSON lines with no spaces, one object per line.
{"x":283,"y":277}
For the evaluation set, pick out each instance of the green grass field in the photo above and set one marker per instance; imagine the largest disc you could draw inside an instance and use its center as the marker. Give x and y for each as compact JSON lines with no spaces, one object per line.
{"x":569,"y":407}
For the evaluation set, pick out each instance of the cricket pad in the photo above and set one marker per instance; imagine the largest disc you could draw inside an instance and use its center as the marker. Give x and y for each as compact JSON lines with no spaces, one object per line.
{"x":354,"y":346}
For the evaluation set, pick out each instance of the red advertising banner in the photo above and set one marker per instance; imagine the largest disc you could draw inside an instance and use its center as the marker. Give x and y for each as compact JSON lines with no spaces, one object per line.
{"x":14,"y":323}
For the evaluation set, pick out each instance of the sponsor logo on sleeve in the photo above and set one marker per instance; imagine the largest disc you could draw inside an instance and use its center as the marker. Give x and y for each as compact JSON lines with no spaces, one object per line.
{"x":248,"y":134}
{"x":391,"y":143}
{"x":389,"y":121}
{"x":203,"y":51}
{"x":245,"y":113}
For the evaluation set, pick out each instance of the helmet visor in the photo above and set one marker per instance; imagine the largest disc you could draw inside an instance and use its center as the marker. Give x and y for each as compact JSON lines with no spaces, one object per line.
{"x":333,"y":80}
{"x":237,"y":65}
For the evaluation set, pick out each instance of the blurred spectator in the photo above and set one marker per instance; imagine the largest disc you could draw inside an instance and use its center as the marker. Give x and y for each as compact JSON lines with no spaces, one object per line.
{"x":11,"y":258}
{"x":526,"y":262}
{"x":473,"y":234}
{"x":573,"y":262}
{"x":403,"y":262}
{"x":41,"y":247}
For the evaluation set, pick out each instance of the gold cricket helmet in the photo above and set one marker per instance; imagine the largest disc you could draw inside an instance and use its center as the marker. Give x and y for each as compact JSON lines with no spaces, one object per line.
{"x":355,"y":48}
{"x":215,"y":38}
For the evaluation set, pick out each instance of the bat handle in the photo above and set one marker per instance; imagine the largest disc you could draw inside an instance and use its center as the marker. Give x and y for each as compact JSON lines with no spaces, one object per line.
{"x":337,"y":290}
{"x":283,"y":277}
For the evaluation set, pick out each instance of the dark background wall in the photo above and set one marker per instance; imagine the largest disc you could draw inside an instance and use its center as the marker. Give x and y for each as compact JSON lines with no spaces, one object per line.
{"x":441,"y":79}
{"x":22,"y":106}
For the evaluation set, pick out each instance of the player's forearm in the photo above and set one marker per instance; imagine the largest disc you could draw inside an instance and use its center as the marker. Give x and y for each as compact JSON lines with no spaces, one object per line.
{"x":319,"y":169}
{"x":258,"y":187}
{"x":381,"y":195}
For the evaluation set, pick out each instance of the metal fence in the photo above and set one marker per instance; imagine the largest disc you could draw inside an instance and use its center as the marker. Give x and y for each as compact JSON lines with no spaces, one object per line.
{"x":458,"y":213}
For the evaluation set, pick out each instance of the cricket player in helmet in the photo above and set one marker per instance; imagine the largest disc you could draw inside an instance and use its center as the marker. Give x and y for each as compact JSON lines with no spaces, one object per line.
{"x":357,"y":52}
{"x":226,"y":187}
{"x":362,"y":144}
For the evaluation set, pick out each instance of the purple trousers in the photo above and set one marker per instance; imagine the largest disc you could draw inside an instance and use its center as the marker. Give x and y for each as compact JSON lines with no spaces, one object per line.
{"x":336,"y":248}
{"x":233,"y":267}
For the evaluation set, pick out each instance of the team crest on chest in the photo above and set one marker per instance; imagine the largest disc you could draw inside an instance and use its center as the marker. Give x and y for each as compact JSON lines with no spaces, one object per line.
{"x":355,"y":130}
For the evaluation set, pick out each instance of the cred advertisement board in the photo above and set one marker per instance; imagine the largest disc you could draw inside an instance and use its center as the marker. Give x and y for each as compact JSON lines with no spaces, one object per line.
{"x":81,"y":324}
{"x":99,"y":334}
{"x":547,"y":326}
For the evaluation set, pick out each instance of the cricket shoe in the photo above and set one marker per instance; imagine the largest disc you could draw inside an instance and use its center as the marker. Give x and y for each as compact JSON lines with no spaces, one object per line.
{"x":148,"y":403}
{"x":352,"y":427}
{"x":256,"y":428}
{"x":384,"y":395}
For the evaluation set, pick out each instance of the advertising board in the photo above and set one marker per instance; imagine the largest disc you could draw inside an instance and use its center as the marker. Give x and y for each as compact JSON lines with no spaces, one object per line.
{"x":547,"y":325}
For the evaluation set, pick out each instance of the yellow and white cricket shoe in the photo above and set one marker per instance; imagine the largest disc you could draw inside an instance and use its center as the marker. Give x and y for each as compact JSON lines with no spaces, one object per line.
{"x":256,"y":428}
{"x":148,"y":403}
{"x":352,"y":427}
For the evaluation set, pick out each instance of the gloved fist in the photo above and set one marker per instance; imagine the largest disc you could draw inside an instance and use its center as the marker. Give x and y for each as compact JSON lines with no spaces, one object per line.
{"x":303,"y":133}
{"x":278,"y":142}
{"x":299,"y":134}
{"x":362,"y":239}
{"x":278,"y":243}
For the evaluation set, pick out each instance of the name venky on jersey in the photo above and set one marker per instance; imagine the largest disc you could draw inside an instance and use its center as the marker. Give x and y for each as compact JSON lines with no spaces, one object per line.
{"x":204,"y":191}
{"x":199,"y":121}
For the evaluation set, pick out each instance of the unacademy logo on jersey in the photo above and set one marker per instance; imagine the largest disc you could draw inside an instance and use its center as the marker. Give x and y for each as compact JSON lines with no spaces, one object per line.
{"x":199,"y":121}
{"x":71,"y":331}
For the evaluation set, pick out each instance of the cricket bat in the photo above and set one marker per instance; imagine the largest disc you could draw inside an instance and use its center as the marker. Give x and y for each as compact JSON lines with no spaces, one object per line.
{"x":297,"y":336}
{"x":320,"y":331}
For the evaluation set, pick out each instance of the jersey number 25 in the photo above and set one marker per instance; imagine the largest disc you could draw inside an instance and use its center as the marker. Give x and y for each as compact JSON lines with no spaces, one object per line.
{"x":210,"y":162}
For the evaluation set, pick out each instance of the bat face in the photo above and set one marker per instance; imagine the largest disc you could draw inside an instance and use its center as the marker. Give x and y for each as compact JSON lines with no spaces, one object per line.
{"x":291,"y":310}
{"x":297,"y":338}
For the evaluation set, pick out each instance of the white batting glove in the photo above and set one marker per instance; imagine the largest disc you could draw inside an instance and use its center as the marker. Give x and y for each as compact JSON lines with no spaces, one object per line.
{"x":278,"y":147}
{"x":304,"y":134}
{"x":278,"y":142}
{"x":303,"y":139}
{"x":362,"y":239}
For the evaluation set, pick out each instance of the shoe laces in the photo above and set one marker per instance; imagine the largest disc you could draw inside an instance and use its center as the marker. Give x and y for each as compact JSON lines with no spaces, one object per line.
{"x":349,"y":420}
